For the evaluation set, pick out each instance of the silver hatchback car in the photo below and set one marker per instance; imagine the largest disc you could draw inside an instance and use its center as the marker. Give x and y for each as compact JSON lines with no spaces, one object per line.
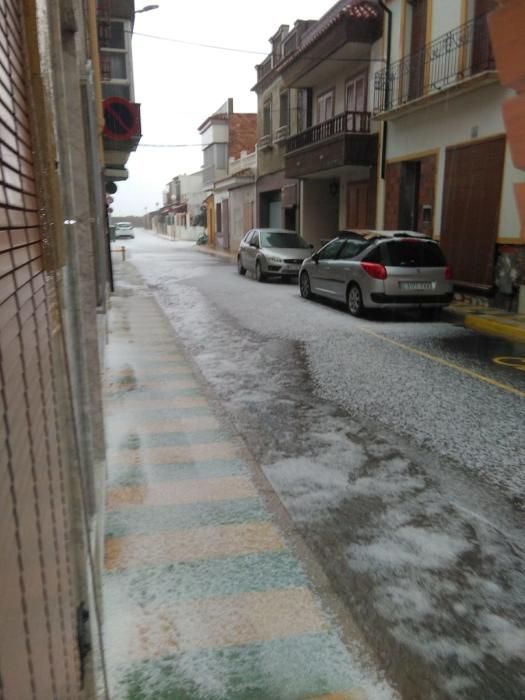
{"x":272,"y":251}
{"x":379,"y":269}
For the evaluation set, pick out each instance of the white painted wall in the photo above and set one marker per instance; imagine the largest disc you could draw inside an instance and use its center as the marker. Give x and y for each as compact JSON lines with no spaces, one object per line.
{"x":215,"y":133}
{"x":396,"y":8}
{"x":239,"y":198}
{"x":319,"y":212}
{"x":244,"y":162}
{"x":192,"y":192}
{"x":449,"y":123}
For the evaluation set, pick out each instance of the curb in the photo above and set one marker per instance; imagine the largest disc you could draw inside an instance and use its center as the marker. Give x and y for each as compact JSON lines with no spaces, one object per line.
{"x":218,"y":254}
{"x":492,"y":326}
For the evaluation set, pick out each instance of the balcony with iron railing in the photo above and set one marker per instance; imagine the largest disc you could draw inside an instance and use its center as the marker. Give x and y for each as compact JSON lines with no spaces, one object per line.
{"x":448,"y":61}
{"x":343,"y":140}
{"x":344,"y":123}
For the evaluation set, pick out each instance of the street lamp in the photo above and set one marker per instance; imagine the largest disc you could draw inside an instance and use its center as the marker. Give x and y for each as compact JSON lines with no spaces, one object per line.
{"x":147,"y":9}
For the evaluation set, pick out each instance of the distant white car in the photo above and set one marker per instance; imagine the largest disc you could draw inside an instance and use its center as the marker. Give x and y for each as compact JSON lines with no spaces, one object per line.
{"x":124,"y":229}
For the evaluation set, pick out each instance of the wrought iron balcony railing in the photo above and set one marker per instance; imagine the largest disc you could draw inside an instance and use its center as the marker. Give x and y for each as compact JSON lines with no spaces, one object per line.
{"x":453,"y":57}
{"x":344,"y":123}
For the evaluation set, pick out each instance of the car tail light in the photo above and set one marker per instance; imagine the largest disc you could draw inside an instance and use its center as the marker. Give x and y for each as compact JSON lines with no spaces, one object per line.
{"x":375,"y":270}
{"x":448,"y":272}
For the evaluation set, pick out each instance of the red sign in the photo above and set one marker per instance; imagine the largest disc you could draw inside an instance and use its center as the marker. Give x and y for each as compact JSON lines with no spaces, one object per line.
{"x":121,"y":119}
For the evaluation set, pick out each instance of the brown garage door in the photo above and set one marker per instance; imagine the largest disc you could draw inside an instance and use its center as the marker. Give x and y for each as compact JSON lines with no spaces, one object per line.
{"x":38,"y":655}
{"x":471,"y":205}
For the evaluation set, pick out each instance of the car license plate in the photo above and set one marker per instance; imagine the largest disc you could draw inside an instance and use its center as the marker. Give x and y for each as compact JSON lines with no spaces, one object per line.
{"x":416,"y":285}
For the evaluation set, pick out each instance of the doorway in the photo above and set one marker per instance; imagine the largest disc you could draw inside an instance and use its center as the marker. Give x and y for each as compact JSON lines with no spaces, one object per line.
{"x":409,"y":195}
{"x":418,"y":36}
{"x":271,"y":209}
{"x":482,"y":54}
{"x":357,"y":205}
{"x":290,"y":218}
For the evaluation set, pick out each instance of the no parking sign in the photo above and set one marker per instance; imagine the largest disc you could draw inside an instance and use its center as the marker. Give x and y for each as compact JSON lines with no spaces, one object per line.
{"x":121,"y":119}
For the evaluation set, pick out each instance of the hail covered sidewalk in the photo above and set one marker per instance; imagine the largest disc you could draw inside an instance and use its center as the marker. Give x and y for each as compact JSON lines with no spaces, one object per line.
{"x":204,"y":596}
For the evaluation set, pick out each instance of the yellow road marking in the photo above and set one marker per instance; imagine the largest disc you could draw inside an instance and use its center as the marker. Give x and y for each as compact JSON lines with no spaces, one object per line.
{"x":514,"y":362}
{"x":446,"y":363}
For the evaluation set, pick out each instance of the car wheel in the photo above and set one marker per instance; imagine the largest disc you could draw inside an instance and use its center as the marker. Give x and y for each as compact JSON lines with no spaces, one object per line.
{"x":240,"y":269}
{"x":355,"y":300}
{"x":259,"y":274}
{"x":304,"y":286}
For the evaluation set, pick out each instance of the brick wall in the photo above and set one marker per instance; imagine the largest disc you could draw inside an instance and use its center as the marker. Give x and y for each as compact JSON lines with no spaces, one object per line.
{"x":243,"y":133}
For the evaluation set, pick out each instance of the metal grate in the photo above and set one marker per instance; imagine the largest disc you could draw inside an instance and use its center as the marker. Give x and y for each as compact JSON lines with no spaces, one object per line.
{"x":37,"y":644}
{"x":344,"y":123}
{"x":455,"y":56}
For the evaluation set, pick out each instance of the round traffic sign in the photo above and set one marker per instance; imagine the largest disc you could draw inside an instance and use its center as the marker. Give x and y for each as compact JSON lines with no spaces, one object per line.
{"x":121,"y":119}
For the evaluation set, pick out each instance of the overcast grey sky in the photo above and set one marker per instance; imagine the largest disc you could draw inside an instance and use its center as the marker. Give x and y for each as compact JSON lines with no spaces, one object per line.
{"x":180,"y":85}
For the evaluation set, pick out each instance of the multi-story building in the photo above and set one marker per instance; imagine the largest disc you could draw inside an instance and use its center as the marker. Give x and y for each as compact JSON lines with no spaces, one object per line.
{"x":448,"y":169}
{"x":333,"y":145}
{"x":400,"y":126}
{"x":53,"y":286}
{"x":122,"y":132}
{"x":225,"y":134}
{"x":238,"y":190}
{"x":183,"y":207}
{"x":278,"y":115}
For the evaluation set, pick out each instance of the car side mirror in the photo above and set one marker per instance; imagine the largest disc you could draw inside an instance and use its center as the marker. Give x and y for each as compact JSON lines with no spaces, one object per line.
{"x":254,"y":245}
{"x":315,"y":257}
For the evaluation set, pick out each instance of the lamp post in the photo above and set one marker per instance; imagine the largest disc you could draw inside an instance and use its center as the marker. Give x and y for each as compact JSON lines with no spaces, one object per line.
{"x":147,"y":8}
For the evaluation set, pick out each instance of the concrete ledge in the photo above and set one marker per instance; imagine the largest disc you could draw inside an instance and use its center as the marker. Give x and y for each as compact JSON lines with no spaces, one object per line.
{"x":226,"y":255}
{"x":511,"y":327}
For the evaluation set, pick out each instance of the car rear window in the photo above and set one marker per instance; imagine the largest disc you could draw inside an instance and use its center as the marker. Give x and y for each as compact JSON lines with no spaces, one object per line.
{"x":414,"y":254}
{"x":374,"y":255}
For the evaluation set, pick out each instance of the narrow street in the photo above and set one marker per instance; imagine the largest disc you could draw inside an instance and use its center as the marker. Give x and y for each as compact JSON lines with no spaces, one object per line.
{"x":395,"y":447}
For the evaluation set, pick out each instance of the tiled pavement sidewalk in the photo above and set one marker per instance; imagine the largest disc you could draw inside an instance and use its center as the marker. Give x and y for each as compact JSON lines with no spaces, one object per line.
{"x":204,"y":599}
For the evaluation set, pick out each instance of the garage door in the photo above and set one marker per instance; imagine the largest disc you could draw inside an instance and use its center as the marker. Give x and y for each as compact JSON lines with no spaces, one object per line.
{"x":471,"y":206}
{"x":38,"y":648}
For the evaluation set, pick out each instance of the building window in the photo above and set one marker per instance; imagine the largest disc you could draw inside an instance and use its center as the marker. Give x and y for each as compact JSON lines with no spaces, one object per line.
{"x":218,"y":217}
{"x":325,"y":106}
{"x":284,"y":108}
{"x":115,"y":90}
{"x":208,"y":156}
{"x":267,"y":118}
{"x":116,"y":38}
{"x":220,"y":155}
{"x":356,"y":94}
{"x":290,"y":45}
{"x":117,"y":63}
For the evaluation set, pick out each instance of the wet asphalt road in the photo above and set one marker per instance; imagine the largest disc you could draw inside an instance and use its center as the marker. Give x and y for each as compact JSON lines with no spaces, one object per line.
{"x":396,"y":446}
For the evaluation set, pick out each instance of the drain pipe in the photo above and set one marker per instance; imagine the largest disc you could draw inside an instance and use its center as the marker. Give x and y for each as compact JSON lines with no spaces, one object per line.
{"x":387,"y":87}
